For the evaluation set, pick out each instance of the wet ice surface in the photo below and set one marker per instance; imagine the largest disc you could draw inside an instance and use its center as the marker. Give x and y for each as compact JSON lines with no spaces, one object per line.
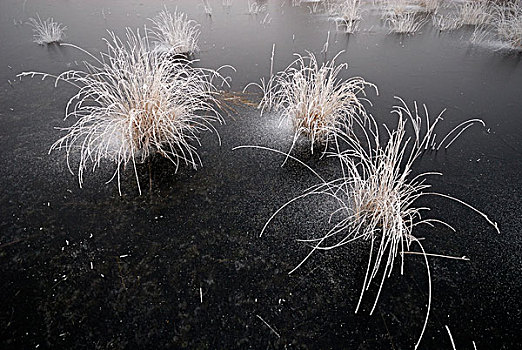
{"x":183,"y":265}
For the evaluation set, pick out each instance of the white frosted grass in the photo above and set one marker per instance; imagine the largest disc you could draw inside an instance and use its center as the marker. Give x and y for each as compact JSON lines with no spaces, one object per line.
{"x":474,"y":12}
{"x":481,"y":35}
{"x":430,"y":6}
{"x":404,"y":22}
{"x":446,"y":22}
{"x":313,"y":97}
{"x":254,"y":8}
{"x":377,"y":194}
{"x":347,"y":15}
{"x":401,"y":6}
{"x":174,"y":32}
{"x":314,"y":6}
{"x":504,"y":31}
{"x":47,"y":31}
{"x":453,"y":342}
{"x":508,"y":24}
{"x":207,"y":7}
{"x":132,"y":103}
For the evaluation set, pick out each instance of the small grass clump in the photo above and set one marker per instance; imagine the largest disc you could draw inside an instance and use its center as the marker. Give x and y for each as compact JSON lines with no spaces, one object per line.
{"x":404,"y":22}
{"x":347,"y":15}
{"x":474,"y":12}
{"x":254,"y":8}
{"x":504,"y":30}
{"x":446,"y":22}
{"x":508,"y":25}
{"x":47,"y":31}
{"x":314,"y":98}
{"x":134,"y":102}
{"x":174,"y":32}
{"x":376,"y":194}
{"x":430,"y":6}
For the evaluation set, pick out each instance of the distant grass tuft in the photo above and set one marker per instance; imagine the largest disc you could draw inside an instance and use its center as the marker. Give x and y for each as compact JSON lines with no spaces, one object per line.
{"x":347,"y":15}
{"x":47,"y":31}
{"x":174,"y":32}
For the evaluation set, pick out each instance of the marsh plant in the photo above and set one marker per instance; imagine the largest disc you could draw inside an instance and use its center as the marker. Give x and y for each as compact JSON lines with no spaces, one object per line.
{"x":254,"y":8}
{"x":404,"y":22}
{"x":401,"y":6}
{"x":314,"y":6}
{"x":47,"y":31}
{"x":314,"y":98}
{"x":134,"y":102}
{"x":474,"y":12}
{"x":504,"y":30}
{"x":446,"y":22}
{"x":347,"y":15}
{"x":174,"y":32}
{"x":453,"y":346}
{"x":508,"y":25}
{"x":377,"y":193}
{"x":430,"y":6}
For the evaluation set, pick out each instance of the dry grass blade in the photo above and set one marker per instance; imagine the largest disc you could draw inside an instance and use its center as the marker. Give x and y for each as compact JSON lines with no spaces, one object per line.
{"x":453,"y":342}
{"x":47,"y":31}
{"x":132,"y":103}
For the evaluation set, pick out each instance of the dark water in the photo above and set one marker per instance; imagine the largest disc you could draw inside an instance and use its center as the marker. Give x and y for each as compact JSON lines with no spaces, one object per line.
{"x":199,"y":230}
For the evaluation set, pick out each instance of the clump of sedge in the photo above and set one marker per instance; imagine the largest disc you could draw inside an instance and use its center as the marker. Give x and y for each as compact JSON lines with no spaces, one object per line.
{"x":47,"y":31}
{"x":134,"y":102}
{"x":174,"y":32}
{"x":314,"y":98}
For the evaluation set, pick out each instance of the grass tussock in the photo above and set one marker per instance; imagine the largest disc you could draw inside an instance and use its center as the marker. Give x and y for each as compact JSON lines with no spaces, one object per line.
{"x":430,"y":6}
{"x":377,"y":193}
{"x":508,"y":24}
{"x":446,"y":22}
{"x":314,"y":98}
{"x":404,"y":22}
{"x":254,"y":8}
{"x":47,"y":31}
{"x":504,"y":30}
{"x":134,"y":102}
{"x":174,"y":32}
{"x":474,"y":12}
{"x":347,"y":15}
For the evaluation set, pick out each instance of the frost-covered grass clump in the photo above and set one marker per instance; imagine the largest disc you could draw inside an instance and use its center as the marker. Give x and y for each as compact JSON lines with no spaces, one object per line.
{"x":504,"y":29}
{"x":446,"y":22}
{"x":377,"y":193}
{"x":508,"y":25}
{"x":347,"y":15}
{"x":134,"y":102}
{"x":47,"y":31}
{"x":254,"y":8}
{"x":404,"y":22}
{"x":314,"y":98}
{"x":174,"y":32}
{"x":430,"y":6}
{"x":474,"y":12}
